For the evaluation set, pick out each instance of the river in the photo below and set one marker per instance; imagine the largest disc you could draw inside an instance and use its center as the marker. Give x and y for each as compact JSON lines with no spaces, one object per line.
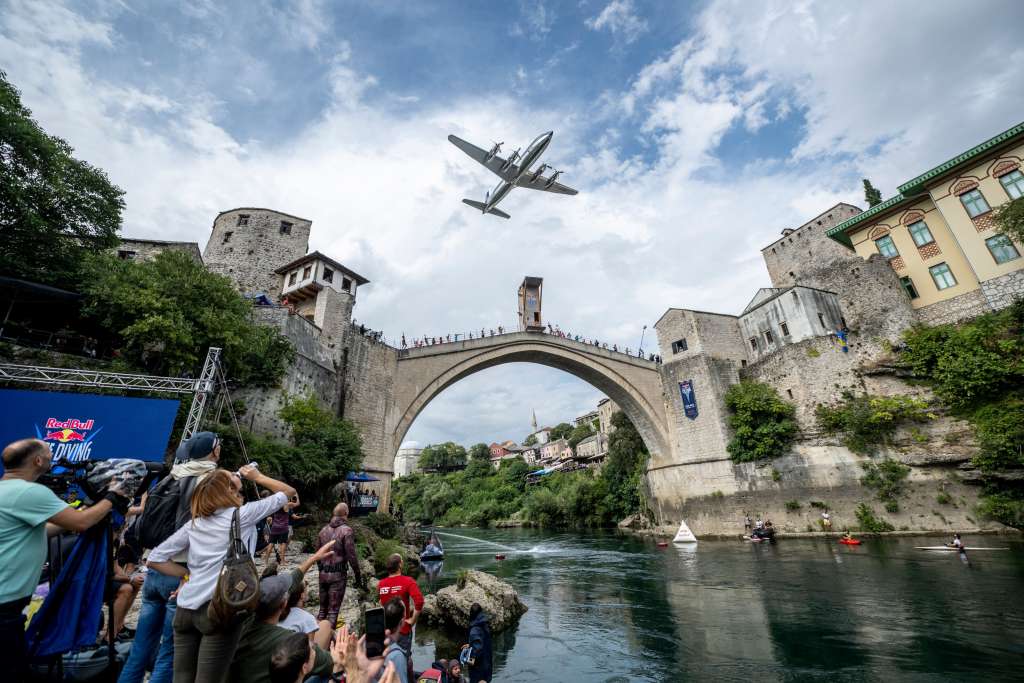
{"x":614,"y":607}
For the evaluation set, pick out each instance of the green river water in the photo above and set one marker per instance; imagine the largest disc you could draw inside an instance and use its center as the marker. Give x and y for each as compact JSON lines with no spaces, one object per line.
{"x":615,"y":607}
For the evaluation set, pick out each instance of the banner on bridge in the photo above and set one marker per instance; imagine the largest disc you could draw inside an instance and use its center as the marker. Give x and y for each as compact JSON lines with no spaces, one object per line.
{"x":689,"y":399}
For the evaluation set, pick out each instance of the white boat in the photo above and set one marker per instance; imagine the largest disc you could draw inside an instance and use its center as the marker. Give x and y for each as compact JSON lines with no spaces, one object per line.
{"x":947,"y":548}
{"x":684,"y":535}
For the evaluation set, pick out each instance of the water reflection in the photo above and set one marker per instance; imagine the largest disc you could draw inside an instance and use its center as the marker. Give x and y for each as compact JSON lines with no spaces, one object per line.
{"x":610,"y":607}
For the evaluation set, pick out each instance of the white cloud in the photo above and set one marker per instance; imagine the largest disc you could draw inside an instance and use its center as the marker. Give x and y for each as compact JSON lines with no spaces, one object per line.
{"x":679,"y":227}
{"x":620,"y":18}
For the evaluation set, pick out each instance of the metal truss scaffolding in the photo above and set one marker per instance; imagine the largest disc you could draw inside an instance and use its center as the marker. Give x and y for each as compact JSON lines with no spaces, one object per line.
{"x":200,"y":387}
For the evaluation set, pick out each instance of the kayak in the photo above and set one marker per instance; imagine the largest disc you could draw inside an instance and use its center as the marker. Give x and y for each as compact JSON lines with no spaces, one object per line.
{"x":662,"y":544}
{"x":849,"y":541}
{"x":499,"y":557}
{"x":948,"y":549}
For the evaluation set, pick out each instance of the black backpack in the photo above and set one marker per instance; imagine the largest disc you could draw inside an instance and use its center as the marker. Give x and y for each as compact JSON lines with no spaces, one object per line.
{"x":167,"y":509}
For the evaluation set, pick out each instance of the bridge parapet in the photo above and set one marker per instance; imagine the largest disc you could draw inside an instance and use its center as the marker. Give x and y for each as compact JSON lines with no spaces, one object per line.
{"x":500,"y":340}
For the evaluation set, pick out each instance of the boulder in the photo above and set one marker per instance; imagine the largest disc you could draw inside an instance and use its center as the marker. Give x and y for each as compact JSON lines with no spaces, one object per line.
{"x":450,"y":605}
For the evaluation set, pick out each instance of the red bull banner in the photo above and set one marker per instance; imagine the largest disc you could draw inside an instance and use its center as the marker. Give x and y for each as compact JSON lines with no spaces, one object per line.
{"x":84,"y":427}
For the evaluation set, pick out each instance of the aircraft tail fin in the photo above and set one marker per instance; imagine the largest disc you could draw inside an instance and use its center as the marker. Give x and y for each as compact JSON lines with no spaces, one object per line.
{"x":481,"y":207}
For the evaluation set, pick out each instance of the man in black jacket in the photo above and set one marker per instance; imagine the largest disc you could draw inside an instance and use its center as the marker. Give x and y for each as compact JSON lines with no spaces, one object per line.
{"x":480,"y":648}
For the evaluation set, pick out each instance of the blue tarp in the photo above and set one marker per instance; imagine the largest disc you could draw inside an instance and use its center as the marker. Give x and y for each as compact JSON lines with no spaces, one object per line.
{"x":360,"y":476}
{"x":70,"y":615}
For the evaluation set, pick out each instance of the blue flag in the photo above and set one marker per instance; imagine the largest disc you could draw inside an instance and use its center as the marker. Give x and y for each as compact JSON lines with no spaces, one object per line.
{"x":689,"y":399}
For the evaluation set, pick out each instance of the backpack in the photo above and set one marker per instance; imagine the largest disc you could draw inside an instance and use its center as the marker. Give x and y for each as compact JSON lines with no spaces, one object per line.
{"x":238,"y":586}
{"x":167,"y":509}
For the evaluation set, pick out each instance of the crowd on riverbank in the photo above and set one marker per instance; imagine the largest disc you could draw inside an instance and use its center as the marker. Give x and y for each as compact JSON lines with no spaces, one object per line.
{"x":205,"y":615}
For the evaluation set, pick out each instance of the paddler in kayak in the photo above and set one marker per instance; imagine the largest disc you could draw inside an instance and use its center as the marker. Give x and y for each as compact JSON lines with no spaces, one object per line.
{"x":957,"y":543}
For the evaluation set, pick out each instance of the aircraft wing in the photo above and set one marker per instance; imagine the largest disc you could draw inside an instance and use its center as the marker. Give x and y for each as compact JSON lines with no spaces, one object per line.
{"x":541,"y":183}
{"x":494,"y":163}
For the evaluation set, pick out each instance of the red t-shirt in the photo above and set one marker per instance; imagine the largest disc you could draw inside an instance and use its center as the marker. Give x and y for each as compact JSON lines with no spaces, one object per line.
{"x":401,"y":587}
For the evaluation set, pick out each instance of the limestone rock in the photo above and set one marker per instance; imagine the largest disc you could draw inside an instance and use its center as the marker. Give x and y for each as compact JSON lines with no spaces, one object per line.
{"x":450,"y":605}
{"x":635,"y":522}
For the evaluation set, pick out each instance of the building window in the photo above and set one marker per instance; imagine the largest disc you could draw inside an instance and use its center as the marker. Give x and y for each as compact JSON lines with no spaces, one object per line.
{"x":243,"y":219}
{"x":346,"y":284}
{"x":785,"y":329}
{"x":743,"y":362}
{"x":306,"y":272}
{"x":1013,"y":183}
{"x":753,"y":343}
{"x":126,"y":255}
{"x":768,"y":337}
{"x":227,"y":237}
{"x":292,"y":278}
{"x":974,"y":202}
{"x":286,"y":228}
{"x":886,"y":248}
{"x":328,"y":274}
{"x":921,"y":234}
{"x":821,"y":319}
{"x":1003,"y":250}
{"x":678,"y":346}
{"x":942,"y":276}
{"x":908,"y":287}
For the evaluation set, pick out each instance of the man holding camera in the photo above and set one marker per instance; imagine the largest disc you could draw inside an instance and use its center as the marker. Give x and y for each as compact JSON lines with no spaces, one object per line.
{"x":28,"y":513}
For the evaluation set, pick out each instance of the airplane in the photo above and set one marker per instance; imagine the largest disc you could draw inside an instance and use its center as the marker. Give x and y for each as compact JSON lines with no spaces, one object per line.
{"x":514,"y":171}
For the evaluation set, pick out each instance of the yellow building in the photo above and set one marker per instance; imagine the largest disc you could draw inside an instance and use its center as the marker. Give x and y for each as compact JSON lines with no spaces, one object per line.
{"x":939,"y":235}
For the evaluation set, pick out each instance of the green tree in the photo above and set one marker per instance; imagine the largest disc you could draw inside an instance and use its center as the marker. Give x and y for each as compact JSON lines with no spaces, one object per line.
{"x":443,"y":457}
{"x":561,"y":431}
{"x":1010,"y":219}
{"x":54,"y":208}
{"x":167,"y":312}
{"x":872,"y":195}
{"x":623,"y":471}
{"x":318,"y":435}
{"x":579,"y":433}
{"x":480,"y":451}
{"x":762,"y":423}
{"x":531,"y":440}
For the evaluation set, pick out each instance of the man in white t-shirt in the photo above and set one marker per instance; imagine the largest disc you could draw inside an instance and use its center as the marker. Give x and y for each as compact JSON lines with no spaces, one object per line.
{"x":295,"y":618}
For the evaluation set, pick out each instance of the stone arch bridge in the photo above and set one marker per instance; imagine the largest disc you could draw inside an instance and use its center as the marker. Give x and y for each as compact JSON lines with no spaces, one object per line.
{"x":635,"y":384}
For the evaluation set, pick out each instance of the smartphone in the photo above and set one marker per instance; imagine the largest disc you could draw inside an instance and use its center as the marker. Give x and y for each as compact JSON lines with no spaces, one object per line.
{"x":375,"y":632}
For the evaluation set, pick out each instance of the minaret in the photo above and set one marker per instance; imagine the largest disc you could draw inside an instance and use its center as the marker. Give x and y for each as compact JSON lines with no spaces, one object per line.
{"x":534,"y":423}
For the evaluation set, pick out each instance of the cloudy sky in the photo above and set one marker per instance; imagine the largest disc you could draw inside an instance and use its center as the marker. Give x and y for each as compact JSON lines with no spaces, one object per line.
{"x":694,"y":131}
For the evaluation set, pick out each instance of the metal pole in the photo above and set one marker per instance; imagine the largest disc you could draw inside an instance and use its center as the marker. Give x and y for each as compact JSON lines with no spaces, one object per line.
{"x":642,"y":333}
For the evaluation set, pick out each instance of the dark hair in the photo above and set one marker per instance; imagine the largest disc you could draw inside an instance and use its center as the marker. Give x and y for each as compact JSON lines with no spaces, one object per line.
{"x":17,"y":454}
{"x":126,"y":555}
{"x":394,"y":563}
{"x":394,"y":612}
{"x":288,"y":657}
{"x":269,"y":570}
{"x":475,"y":610}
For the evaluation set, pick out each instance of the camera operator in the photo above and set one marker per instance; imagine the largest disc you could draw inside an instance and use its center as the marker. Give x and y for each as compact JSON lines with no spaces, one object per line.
{"x":28,"y":512}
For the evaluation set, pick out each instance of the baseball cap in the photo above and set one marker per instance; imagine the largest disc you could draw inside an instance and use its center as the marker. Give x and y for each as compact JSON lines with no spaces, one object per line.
{"x":201,"y":445}
{"x":274,"y":589}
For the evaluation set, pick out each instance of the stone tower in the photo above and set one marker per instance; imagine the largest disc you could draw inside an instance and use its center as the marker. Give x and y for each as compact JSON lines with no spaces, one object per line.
{"x":248,"y":244}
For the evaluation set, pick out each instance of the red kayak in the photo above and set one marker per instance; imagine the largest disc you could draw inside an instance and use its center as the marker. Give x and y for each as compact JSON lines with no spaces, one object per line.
{"x":849,"y":541}
{"x":499,"y":557}
{"x":662,"y":544}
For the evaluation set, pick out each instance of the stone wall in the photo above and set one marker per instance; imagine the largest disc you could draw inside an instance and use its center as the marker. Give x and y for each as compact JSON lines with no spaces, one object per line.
{"x":807,"y":312}
{"x":789,"y":257}
{"x":249,"y":254}
{"x":1001,"y":291}
{"x":808,"y":373}
{"x":313,"y":372}
{"x":146,"y":250}
{"x":954,"y":310}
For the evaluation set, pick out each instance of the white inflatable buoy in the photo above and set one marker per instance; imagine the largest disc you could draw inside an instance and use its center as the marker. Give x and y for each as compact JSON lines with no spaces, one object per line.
{"x":684,"y":535}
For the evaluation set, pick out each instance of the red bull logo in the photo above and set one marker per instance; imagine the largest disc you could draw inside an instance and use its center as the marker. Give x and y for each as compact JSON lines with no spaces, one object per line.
{"x":69,"y":439}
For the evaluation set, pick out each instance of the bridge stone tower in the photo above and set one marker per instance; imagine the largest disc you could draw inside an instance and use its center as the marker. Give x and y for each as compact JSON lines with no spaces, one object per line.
{"x":247,"y":244}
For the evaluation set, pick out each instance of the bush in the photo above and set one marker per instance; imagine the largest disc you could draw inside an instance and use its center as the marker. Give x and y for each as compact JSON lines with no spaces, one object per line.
{"x":762,"y":423}
{"x":892,"y":506}
{"x":866,"y":422}
{"x":385,"y":549}
{"x":776,"y":475}
{"x":869,"y":523}
{"x":943,"y":498}
{"x":792,"y":505}
{"x":818,"y":504}
{"x":886,"y":478}
{"x":1000,"y":429}
{"x":1004,"y":507}
{"x":382,"y":524}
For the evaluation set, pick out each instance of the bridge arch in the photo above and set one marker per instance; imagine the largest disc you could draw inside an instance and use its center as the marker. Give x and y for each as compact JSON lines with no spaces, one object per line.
{"x":633,"y":383}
